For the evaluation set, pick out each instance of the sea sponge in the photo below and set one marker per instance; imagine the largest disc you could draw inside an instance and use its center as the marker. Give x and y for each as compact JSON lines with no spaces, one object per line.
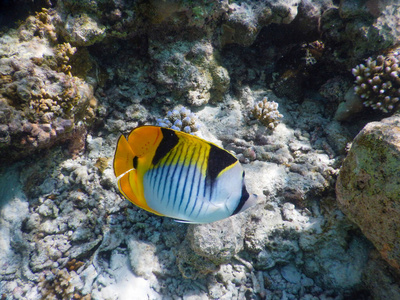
{"x":378,"y":83}
{"x":267,"y":113}
{"x":181,"y":119}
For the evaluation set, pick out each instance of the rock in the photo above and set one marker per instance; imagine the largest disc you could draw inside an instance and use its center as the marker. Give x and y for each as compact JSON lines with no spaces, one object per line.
{"x":190,"y":69}
{"x":48,"y":209}
{"x":122,"y":283}
{"x":338,"y":136}
{"x":142,"y":257}
{"x":80,"y":250}
{"x":192,"y":265}
{"x":381,"y":278}
{"x":368,"y":186}
{"x":207,"y":246}
{"x":14,"y":208}
{"x":244,"y":20}
{"x":50,"y":249}
{"x":82,"y":30}
{"x":88,"y":276}
{"x":352,"y":104}
{"x":362,"y":26}
{"x":218,"y":241}
{"x":94,"y":146}
{"x":291,"y":274}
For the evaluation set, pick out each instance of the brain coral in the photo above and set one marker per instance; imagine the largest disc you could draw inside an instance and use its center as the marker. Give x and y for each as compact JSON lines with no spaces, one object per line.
{"x":378,"y":83}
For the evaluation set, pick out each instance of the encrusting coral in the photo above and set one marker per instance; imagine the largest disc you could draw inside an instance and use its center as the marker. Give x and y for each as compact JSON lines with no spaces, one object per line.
{"x":378,"y":83}
{"x":267,"y":113}
{"x":180,"y":119}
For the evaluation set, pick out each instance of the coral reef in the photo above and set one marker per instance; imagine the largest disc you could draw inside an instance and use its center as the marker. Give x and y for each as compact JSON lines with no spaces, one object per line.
{"x":181,"y":119}
{"x":41,"y":103}
{"x":267,"y":113}
{"x":66,"y":231}
{"x":378,"y":82}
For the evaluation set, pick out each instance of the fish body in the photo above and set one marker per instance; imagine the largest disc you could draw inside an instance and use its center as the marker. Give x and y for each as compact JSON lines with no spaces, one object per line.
{"x":178,"y":175}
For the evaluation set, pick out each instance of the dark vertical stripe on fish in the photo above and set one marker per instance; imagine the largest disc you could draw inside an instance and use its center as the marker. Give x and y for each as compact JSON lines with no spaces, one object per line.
{"x":168,"y":162}
{"x":195,"y":172}
{"x":201,"y":207}
{"x":182,"y":166}
{"x":160,"y":170}
{"x":201,"y":180}
{"x":168,"y":142}
{"x":178,"y":152}
{"x":218,"y":160}
{"x":190,"y":165}
{"x":173,"y":168}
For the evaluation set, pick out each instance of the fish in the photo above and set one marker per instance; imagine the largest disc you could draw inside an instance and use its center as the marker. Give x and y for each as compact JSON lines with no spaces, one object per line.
{"x":181,"y":176}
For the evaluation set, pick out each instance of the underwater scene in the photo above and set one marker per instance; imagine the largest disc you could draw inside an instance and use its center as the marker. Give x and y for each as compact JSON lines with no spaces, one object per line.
{"x":195,"y":150}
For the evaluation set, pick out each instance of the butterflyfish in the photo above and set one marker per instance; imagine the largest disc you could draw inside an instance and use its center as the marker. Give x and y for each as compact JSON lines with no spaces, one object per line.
{"x":174,"y":174}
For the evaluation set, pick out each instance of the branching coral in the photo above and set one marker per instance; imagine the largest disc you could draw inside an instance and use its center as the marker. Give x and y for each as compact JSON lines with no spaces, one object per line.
{"x":180,"y":119}
{"x":58,"y":284}
{"x":267,"y":113}
{"x":378,"y":83}
{"x":63,"y":54}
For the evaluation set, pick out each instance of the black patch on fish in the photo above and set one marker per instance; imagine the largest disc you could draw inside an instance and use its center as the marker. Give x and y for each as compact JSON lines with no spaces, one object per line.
{"x":243,"y":199}
{"x":135,"y":162}
{"x":169,"y":141}
{"x":218,"y":160}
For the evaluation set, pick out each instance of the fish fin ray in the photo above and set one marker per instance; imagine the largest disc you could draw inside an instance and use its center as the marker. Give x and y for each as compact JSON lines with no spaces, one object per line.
{"x":123,"y":158}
